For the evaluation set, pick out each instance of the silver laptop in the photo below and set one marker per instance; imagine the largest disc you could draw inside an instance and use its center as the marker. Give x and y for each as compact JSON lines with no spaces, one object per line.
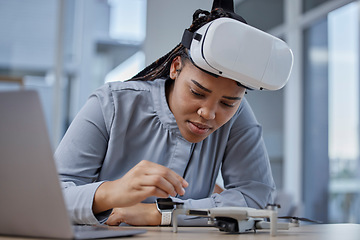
{"x":31,"y":200}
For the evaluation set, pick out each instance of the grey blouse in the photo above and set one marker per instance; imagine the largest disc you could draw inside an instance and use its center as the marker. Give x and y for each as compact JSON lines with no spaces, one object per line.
{"x":123,"y":123}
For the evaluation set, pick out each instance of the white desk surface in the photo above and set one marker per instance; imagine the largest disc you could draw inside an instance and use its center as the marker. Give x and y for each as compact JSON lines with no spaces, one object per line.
{"x":305,"y":232}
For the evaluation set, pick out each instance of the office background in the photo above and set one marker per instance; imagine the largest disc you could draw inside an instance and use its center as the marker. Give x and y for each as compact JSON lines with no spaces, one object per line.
{"x":65,"y":49}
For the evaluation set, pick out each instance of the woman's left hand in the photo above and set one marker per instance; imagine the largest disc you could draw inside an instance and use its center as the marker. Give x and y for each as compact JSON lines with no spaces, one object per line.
{"x":141,"y":214}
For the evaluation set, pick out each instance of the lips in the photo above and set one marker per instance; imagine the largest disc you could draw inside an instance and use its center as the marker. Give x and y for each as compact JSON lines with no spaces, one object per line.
{"x":198,"y":128}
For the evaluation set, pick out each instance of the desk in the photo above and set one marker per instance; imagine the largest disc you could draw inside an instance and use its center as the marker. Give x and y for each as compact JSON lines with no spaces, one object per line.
{"x":306,"y":232}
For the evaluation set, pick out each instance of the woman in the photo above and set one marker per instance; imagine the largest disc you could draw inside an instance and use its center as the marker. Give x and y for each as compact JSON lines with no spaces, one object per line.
{"x":167,"y":132}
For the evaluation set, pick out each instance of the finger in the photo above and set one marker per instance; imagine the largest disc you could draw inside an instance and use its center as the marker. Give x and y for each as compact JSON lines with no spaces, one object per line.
{"x":154,"y":191}
{"x":177,"y":183}
{"x":113,"y":220}
{"x":184,"y":183}
{"x":148,"y":191}
{"x":160,"y":183}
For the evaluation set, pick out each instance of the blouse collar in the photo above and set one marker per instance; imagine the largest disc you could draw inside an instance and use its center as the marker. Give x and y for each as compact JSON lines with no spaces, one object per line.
{"x":162,"y":108}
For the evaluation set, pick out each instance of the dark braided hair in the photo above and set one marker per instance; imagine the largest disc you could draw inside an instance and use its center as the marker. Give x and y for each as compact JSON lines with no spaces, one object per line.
{"x":161,"y":67}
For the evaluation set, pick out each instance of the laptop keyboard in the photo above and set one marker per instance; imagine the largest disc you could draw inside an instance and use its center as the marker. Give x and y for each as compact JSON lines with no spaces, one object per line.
{"x":93,"y":228}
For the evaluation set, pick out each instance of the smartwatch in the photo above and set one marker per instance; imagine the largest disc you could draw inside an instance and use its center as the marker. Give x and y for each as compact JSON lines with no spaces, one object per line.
{"x":166,"y":208}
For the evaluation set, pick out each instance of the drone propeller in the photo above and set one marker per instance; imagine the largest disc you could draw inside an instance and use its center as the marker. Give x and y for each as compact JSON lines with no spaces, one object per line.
{"x":198,"y":214}
{"x":300,"y":219}
{"x":197,"y":217}
{"x":272,"y":206}
{"x":170,"y":203}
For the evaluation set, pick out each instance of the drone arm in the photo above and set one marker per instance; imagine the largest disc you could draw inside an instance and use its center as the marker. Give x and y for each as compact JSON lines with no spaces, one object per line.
{"x":174,"y":220}
{"x":266,"y":213}
{"x":266,"y":225}
{"x":273,"y":223}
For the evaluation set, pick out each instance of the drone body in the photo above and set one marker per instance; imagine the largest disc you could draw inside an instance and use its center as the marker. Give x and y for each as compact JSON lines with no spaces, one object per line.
{"x":236,"y":219}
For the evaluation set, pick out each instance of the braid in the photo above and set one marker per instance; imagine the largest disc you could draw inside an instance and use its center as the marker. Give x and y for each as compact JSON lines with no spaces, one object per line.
{"x":161,"y":67}
{"x":199,"y":21}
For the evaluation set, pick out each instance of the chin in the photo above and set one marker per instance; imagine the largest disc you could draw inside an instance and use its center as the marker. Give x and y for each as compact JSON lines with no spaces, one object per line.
{"x":194,"y":139}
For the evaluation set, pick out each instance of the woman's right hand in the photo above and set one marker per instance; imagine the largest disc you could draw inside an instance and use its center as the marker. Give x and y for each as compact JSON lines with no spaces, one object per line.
{"x":142,"y":181}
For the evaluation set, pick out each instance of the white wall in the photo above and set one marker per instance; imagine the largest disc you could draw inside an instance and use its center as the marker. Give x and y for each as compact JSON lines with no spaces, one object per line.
{"x":166,"y":22}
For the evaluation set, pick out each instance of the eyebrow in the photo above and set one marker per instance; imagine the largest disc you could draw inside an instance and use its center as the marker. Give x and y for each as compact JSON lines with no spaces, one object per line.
{"x":232,"y":98}
{"x":201,"y":86}
{"x":209,"y":91}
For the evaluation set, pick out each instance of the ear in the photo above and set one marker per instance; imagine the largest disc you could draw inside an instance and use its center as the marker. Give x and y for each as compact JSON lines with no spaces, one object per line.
{"x":175,"y":65}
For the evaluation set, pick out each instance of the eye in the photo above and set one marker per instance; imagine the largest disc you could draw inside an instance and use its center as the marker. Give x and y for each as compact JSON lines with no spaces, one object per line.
{"x":228,"y":105}
{"x":196,"y":93}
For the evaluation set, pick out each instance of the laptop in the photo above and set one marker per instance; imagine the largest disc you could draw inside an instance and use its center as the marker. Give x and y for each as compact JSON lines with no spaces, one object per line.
{"x":31,"y":200}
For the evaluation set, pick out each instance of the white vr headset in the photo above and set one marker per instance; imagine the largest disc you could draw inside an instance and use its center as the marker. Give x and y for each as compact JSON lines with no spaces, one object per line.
{"x":231,"y":49}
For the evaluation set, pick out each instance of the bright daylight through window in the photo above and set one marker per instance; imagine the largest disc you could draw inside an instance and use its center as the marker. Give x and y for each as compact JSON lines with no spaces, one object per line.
{"x":344,"y":200}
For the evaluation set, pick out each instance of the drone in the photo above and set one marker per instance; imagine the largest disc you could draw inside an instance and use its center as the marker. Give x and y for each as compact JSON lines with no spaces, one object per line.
{"x":239,"y":219}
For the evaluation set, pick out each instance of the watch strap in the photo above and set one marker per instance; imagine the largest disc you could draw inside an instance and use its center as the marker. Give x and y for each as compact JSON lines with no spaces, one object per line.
{"x":166,"y":218}
{"x":165,"y":207}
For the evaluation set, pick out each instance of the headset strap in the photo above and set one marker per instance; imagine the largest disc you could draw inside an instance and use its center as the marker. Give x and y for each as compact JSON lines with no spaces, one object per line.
{"x":188,"y":37}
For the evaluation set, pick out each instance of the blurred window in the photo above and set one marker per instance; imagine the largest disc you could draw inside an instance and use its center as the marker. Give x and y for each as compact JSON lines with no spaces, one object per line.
{"x":310,"y":4}
{"x":127,"y":24}
{"x":127,"y":19}
{"x":262,"y":14}
{"x":331,"y":117}
{"x":343,"y":25}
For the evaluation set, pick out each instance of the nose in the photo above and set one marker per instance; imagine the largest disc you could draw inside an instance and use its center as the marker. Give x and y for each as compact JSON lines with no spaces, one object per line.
{"x":207,"y":112}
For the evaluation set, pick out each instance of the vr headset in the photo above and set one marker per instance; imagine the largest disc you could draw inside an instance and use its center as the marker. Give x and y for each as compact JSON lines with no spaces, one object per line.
{"x":229,"y":48}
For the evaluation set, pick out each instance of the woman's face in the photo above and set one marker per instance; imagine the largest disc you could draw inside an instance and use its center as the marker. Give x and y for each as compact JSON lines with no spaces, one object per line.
{"x":201,"y":103}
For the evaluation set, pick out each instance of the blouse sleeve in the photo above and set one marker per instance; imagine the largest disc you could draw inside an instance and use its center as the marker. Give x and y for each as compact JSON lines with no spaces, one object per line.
{"x":79,"y":161}
{"x":246,"y":167}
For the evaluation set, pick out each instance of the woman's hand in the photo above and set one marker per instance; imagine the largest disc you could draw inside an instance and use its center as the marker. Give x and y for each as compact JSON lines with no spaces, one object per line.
{"x":140,"y":214}
{"x":142,"y":181}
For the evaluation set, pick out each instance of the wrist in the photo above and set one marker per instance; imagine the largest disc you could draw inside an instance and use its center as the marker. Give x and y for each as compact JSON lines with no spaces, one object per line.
{"x":156,"y":215}
{"x":101,"y":201}
{"x":165,"y":208}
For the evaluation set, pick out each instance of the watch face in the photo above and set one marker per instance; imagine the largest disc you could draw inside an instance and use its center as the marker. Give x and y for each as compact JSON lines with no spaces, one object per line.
{"x":165,"y":203}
